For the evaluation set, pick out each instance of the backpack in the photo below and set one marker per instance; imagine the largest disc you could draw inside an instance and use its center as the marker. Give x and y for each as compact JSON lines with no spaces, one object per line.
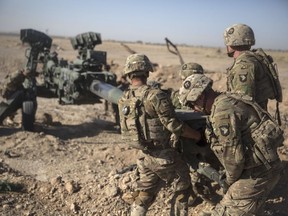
{"x":132,"y":119}
{"x":270,"y":69}
{"x":267,"y":137}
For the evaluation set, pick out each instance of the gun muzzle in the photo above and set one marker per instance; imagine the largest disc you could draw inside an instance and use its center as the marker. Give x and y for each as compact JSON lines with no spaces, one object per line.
{"x":106,"y":91}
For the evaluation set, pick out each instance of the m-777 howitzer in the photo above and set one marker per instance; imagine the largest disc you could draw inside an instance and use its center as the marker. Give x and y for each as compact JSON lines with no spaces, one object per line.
{"x":73,"y":83}
{"x":77,"y":83}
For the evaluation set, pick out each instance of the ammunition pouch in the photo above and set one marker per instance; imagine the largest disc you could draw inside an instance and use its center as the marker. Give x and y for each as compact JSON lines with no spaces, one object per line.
{"x":137,"y":129}
{"x":129,"y":120}
{"x":157,"y":132}
{"x":263,"y":141}
{"x":267,"y":137}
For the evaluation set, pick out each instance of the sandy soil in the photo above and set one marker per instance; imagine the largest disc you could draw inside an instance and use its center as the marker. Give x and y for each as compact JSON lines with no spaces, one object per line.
{"x":75,"y":162}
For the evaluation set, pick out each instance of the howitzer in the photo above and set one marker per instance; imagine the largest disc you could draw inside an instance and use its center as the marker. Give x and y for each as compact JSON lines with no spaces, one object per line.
{"x":73,"y":83}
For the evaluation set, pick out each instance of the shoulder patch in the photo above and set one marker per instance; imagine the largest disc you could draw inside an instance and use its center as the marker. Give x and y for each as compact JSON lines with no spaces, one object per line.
{"x":243,"y":77}
{"x":187,"y":84}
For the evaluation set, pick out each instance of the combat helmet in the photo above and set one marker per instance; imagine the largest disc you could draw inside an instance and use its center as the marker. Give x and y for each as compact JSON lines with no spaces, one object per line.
{"x":192,"y":88}
{"x":238,"y":35}
{"x":138,"y":64}
{"x":189,"y":69}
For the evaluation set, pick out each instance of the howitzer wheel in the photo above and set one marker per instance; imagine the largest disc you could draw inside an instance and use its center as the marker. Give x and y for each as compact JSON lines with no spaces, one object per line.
{"x":28,"y":115}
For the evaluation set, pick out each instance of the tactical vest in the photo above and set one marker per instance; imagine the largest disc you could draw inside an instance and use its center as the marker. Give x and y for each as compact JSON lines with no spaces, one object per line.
{"x":261,"y":139}
{"x":139,"y":129}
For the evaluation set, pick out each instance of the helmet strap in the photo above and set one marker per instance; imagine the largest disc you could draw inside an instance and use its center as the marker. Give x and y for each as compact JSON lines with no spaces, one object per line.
{"x":230,"y":51}
{"x":204,"y":110}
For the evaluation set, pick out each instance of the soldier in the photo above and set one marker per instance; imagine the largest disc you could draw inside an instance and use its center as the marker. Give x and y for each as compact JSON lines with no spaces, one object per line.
{"x":245,"y":138}
{"x":19,"y":91}
{"x":253,"y":72}
{"x":147,"y":120}
{"x":189,"y":69}
{"x":195,"y":154}
{"x":186,"y":70}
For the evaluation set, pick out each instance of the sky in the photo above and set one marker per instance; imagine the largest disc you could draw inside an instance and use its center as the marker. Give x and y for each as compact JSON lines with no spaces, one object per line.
{"x":191,"y":22}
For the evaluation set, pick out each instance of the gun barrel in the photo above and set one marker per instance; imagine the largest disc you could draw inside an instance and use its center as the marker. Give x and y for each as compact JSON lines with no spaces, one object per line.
{"x":106,"y":91}
{"x":190,"y":115}
{"x":113,"y":94}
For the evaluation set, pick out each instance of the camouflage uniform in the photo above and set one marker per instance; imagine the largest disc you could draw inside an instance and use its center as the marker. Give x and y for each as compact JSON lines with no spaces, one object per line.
{"x":244,"y":137}
{"x":195,"y":154}
{"x":247,"y":75}
{"x":157,"y":161}
{"x":174,"y":95}
{"x":251,"y":180}
{"x":12,"y":83}
{"x":186,"y":70}
{"x":17,"y":88}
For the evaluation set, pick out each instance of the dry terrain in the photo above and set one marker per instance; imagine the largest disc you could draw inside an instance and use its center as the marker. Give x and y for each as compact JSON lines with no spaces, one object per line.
{"x":75,"y":162}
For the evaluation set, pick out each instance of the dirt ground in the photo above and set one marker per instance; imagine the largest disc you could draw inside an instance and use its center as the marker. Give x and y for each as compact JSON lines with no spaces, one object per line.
{"x":75,"y":162}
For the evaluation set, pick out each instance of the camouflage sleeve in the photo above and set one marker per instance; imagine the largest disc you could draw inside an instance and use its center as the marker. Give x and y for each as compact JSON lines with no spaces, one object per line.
{"x":163,"y":108}
{"x":12,"y":83}
{"x":175,"y":99}
{"x":242,"y":78}
{"x":228,"y":147}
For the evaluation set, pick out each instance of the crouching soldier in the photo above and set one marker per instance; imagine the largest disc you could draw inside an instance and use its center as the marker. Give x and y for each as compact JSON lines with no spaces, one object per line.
{"x":245,"y":139}
{"x":147,"y":120}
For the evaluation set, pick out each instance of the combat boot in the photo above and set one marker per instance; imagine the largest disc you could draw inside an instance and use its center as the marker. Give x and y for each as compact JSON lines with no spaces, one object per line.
{"x":137,"y":210}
